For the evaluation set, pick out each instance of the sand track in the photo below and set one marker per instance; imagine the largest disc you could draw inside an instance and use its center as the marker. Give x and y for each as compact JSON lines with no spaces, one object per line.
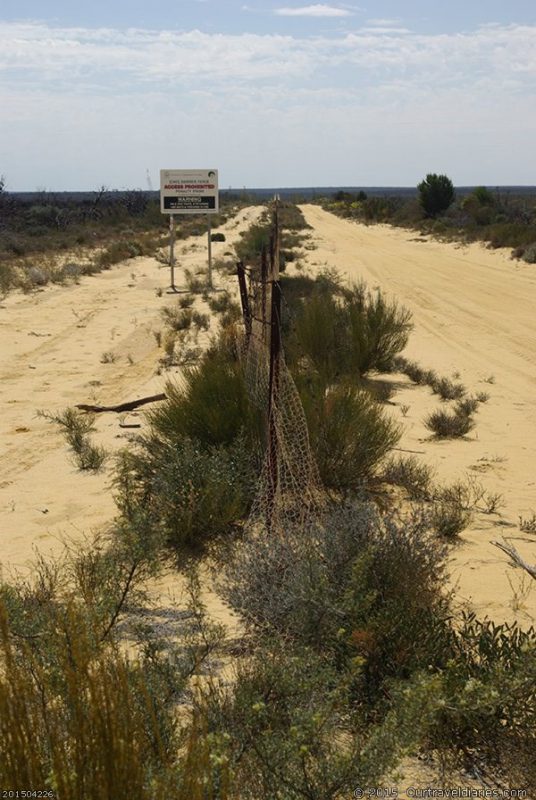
{"x":473,"y":311}
{"x":52,"y":344}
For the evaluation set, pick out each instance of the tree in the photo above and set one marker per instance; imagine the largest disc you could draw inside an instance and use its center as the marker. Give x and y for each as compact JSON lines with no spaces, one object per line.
{"x":436,"y":194}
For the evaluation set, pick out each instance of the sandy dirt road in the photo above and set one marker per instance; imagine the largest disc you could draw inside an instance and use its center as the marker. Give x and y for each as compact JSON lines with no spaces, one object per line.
{"x":474,"y":314}
{"x":52,"y":346}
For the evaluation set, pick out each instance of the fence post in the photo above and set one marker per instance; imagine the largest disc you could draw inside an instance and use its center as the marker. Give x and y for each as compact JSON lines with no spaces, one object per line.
{"x":273,"y":398}
{"x":264,"y":283}
{"x":244,"y":299}
{"x":275,"y":357}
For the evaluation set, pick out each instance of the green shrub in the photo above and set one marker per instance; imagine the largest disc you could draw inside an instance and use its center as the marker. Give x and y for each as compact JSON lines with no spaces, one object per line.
{"x":347,"y":333}
{"x":217,"y":237}
{"x":188,"y":491}
{"x":252,"y":242}
{"x":448,"y":519}
{"x":411,"y":474}
{"x":466,"y":407}
{"x":446,"y":425}
{"x":436,"y":193}
{"x":284,"y":730}
{"x":77,"y":426}
{"x":447,"y":389}
{"x":211,"y":405}
{"x":379,"y":329}
{"x":486,"y":702}
{"x":349,"y":433}
{"x":178,"y":319}
{"x":354,"y":586}
{"x":71,"y":738}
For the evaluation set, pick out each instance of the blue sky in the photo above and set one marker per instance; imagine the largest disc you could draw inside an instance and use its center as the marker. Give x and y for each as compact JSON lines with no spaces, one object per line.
{"x":272,"y":93}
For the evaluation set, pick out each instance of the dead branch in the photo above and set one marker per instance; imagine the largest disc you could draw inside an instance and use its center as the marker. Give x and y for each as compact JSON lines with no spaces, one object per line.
{"x":130,"y":406}
{"x":516,"y":558}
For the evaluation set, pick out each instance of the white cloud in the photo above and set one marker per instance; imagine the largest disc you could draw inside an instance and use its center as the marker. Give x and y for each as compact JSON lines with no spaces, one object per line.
{"x":318,"y":10}
{"x":105,"y":101}
{"x":383,"y":23}
{"x":77,"y":58}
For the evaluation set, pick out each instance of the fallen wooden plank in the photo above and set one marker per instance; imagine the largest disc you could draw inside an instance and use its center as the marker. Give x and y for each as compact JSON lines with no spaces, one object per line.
{"x":130,"y":406}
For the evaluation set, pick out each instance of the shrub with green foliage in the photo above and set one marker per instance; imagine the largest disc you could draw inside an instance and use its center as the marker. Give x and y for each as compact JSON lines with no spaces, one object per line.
{"x":408,"y":472}
{"x":285,"y":730}
{"x":77,"y":426}
{"x":485,"y":709}
{"x":349,"y":433}
{"x":188,"y":491}
{"x":436,"y":193}
{"x":354,"y":586}
{"x":345,"y":333}
{"x":210,"y":405}
{"x":449,"y":425}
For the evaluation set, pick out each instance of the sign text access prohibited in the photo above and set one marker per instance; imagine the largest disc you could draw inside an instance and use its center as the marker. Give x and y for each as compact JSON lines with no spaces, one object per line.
{"x":189,"y":191}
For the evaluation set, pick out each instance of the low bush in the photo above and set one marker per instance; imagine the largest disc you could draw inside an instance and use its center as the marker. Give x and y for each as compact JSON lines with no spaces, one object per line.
{"x":77,"y":426}
{"x":467,"y":406}
{"x":485,"y":710}
{"x":354,"y":586}
{"x":211,"y":405}
{"x":408,"y":472}
{"x":349,"y":433}
{"x":447,"y":389}
{"x":189,"y":492}
{"x":217,"y":237}
{"x":178,"y":319}
{"x":448,"y":518}
{"x":345,"y":333}
{"x":284,"y":729}
{"x":447,"y":425}
{"x":79,"y":717}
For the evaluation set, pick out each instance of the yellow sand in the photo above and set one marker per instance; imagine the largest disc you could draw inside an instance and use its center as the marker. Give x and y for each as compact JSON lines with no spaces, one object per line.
{"x":474,"y":314}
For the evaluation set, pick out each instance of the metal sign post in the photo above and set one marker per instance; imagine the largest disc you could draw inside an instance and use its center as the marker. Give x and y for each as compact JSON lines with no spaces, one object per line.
{"x":189,"y":191}
{"x":172,"y":250}
{"x":210,"y":286}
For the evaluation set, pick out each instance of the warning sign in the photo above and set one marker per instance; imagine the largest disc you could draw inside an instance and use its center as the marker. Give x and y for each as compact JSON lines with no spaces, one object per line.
{"x":189,"y":191}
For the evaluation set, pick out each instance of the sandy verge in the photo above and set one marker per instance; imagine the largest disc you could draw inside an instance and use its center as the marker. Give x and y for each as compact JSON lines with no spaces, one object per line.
{"x":473,"y":311}
{"x":52,"y":344}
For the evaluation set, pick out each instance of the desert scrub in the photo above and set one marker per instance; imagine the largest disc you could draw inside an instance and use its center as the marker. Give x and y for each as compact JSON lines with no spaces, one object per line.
{"x":467,"y":406}
{"x":77,"y":426}
{"x":485,"y":708}
{"x":210,"y":405}
{"x":449,"y":518}
{"x":190,"y":492}
{"x":447,"y":389}
{"x":343,"y":333}
{"x":69,"y":695}
{"x":284,"y":729}
{"x":178,"y":319}
{"x":408,"y":472}
{"x":449,"y":425}
{"x":220,"y":303}
{"x":349,"y":433}
{"x":354,"y":585}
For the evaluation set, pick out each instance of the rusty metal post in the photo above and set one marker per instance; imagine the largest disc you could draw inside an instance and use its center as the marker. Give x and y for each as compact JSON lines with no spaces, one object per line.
{"x":264,"y":285}
{"x":273,"y":397}
{"x":244,"y":299}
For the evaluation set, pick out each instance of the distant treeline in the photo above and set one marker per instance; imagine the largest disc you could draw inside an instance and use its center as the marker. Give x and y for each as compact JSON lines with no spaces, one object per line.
{"x":293,"y":192}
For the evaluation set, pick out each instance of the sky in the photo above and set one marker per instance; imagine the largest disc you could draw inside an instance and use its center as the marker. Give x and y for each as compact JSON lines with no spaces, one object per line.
{"x":270,"y":92}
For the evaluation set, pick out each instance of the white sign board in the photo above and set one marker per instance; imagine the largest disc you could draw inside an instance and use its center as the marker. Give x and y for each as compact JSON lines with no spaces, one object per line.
{"x":189,"y":191}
